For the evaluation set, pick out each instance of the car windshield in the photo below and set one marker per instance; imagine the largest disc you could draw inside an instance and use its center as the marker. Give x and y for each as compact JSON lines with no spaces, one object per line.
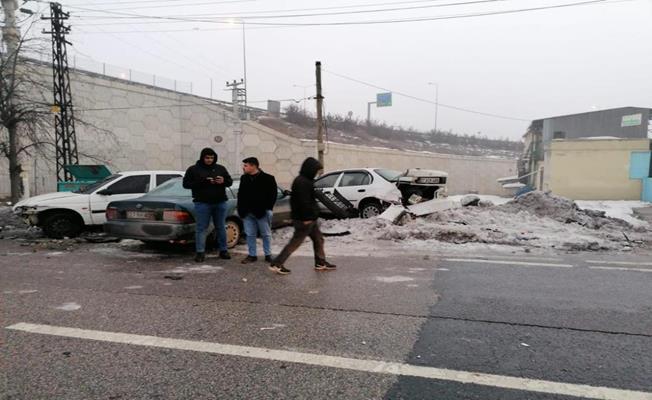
{"x":388,"y":174}
{"x":94,"y":186}
{"x":172,"y":188}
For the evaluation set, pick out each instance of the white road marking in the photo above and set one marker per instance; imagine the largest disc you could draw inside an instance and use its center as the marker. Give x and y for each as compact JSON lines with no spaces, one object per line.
{"x":133,"y":287}
{"x":508,"y":258}
{"x":69,"y":307}
{"x":523,"y":263}
{"x":371,"y":366}
{"x":618,"y":262}
{"x":27,"y":291}
{"x":623,"y":269}
{"x":393,"y":279}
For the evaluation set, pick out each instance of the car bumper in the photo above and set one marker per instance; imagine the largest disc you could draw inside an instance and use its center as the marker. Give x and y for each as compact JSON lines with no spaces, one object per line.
{"x":150,"y":231}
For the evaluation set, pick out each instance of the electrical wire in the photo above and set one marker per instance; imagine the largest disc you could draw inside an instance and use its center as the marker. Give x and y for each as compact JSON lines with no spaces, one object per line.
{"x":467,"y":110}
{"x":377,"y":22}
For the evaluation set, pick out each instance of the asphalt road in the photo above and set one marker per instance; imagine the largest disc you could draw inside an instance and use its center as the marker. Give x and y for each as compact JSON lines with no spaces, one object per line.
{"x":154,"y":325}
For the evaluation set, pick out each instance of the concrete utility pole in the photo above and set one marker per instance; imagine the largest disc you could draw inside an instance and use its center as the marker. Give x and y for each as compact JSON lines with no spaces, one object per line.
{"x":236,"y":99}
{"x":10,"y":33}
{"x":436,"y":85}
{"x":320,"y":116}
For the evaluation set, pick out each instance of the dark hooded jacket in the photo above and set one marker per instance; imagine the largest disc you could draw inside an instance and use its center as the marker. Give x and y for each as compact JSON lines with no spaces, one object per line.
{"x":303,"y":201}
{"x":256,"y":194}
{"x":196,"y":179}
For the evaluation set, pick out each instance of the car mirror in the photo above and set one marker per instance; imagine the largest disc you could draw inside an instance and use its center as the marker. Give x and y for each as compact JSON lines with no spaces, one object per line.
{"x":105,"y":192}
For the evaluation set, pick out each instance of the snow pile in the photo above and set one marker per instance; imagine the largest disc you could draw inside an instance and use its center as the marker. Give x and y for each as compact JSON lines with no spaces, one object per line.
{"x":533,"y":222}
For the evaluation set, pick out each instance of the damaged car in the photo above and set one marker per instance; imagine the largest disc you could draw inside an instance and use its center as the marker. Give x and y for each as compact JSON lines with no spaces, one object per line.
{"x":371,"y":190}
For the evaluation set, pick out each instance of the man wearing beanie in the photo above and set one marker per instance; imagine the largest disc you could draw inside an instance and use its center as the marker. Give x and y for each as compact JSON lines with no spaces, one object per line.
{"x":208,"y":181}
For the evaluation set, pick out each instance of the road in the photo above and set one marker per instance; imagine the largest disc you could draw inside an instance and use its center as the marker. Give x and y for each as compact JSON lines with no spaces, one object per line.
{"x":103,"y":322}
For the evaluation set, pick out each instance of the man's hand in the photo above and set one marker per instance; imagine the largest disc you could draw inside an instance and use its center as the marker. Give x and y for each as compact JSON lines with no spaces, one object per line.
{"x":308,"y":222}
{"x":218,"y":180}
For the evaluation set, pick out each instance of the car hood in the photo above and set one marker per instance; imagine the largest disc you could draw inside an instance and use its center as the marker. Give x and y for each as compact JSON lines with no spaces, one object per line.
{"x":48,"y":198}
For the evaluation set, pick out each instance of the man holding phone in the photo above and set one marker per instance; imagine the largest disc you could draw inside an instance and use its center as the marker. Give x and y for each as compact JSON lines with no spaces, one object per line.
{"x":208,"y":181}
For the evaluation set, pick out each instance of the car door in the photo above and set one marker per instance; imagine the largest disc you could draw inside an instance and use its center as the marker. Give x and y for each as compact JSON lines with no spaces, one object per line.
{"x":282,"y":212}
{"x":128,"y":187}
{"x":327,"y":183}
{"x":354,"y":185}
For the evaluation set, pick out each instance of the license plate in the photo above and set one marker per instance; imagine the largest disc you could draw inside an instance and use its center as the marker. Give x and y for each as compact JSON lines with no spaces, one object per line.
{"x":140,"y":215}
{"x":429,"y":180}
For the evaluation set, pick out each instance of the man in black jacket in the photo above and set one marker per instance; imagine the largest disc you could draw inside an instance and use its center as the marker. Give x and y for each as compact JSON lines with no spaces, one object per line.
{"x":256,"y":198}
{"x":208,"y":181}
{"x":305,"y":212}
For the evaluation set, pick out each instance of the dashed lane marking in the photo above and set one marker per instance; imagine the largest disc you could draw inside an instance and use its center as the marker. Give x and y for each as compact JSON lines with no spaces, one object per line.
{"x":623,"y":269}
{"x":516,"y":263}
{"x":370,"y":366}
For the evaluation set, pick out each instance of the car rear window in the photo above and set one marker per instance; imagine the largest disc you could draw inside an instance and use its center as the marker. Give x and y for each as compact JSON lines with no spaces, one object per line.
{"x":172,"y":188}
{"x":388,"y":174}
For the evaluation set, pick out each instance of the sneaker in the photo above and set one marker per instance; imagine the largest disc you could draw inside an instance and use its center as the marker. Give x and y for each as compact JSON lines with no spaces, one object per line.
{"x":224,"y":255}
{"x":325,"y":266}
{"x":249,"y":260}
{"x":269,"y":259}
{"x":200,"y":257}
{"x":279,"y":269}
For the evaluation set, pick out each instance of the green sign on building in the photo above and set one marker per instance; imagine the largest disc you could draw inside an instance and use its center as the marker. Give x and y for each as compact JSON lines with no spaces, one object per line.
{"x":631,"y":120}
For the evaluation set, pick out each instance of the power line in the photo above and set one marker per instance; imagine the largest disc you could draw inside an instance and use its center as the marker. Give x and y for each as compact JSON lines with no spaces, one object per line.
{"x":426,"y":100}
{"x":378,"y":10}
{"x":377,"y":22}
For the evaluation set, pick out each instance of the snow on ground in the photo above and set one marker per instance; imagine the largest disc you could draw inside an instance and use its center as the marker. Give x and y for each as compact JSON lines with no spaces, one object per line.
{"x":616,"y":209}
{"x":536,"y":222}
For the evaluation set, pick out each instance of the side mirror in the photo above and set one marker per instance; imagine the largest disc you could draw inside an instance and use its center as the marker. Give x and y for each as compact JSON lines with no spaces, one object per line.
{"x":286,"y":193}
{"x":105,"y":192}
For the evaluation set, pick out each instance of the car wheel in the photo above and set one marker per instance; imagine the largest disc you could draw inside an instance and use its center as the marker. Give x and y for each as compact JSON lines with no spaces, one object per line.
{"x":370,"y":209}
{"x":60,"y":225}
{"x":233,"y":233}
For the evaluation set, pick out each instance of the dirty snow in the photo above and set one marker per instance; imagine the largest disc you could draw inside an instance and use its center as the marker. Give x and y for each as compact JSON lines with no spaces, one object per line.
{"x":536,"y":222}
{"x":616,"y":209}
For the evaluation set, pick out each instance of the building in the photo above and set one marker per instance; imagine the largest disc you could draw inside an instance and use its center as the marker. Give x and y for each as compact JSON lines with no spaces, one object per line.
{"x":590,"y":155}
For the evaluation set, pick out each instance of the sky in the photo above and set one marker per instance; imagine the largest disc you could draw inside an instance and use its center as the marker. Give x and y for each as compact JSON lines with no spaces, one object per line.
{"x":505,"y":69}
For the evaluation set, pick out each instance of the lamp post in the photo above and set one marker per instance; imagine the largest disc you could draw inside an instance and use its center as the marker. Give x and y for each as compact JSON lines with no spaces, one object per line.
{"x":436,"y":85}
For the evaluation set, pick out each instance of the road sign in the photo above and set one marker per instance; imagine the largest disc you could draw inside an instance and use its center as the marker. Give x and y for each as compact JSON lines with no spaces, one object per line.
{"x":384,"y":100}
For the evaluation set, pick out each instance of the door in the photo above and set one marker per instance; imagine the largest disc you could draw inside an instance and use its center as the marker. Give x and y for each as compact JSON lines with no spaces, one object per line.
{"x":128,"y":187}
{"x":354,"y":186}
{"x":282,"y":214}
{"x":327,"y":184}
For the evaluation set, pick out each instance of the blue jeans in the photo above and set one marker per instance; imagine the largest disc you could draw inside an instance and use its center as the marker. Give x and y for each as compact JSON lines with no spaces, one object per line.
{"x":204,"y":212}
{"x":253,"y":226}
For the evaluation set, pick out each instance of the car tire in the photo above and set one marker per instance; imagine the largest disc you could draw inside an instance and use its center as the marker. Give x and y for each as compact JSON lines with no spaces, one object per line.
{"x":61,"y":224}
{"x":370,"y":209}
{"x":233,"y":233}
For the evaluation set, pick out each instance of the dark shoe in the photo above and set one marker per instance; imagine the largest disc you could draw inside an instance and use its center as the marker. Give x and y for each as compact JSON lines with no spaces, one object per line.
{"x":279,"y":269}
{"x":325,"y":266}
{"x":200,"y":257}
{"x":224,"y":255}
{"x":249,"y":260}
{"x":268,"y":259}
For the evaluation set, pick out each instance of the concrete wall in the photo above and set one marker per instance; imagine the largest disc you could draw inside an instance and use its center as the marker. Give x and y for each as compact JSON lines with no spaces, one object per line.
{"x":466,"y":174}
{"x":134,"y":126}
{"x":594,"y":169}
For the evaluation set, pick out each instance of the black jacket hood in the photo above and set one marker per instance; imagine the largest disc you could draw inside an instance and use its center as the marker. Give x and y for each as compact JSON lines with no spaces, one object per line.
{"x":310,"y":167}
{"x":206,"y":151}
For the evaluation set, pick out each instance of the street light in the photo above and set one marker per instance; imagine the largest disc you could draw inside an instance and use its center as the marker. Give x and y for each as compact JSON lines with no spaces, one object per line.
{"x":304,"y":87}
{"x":436,"y":85}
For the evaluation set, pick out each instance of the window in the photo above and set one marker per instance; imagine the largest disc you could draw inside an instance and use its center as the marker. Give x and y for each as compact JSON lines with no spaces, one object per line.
{"x":130,"y":184}
{"x":164,"y":178}
{"x":358,"y":178}
{"x":97,"y":185}
{"x":171,"y":188}
{"x":327,"y":181}
{"x":559,"y":135}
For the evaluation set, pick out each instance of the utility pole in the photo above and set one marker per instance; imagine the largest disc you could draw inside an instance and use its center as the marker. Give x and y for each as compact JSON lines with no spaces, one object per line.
{"x":64,"y":117}
{"x":237,"y":99}
{"x":320,"y":116}
{"x":436,"y":85}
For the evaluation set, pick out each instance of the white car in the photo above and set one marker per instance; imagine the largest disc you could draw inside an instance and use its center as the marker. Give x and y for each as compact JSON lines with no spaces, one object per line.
{"x":371,"y":190}
{"x":66,"y":214}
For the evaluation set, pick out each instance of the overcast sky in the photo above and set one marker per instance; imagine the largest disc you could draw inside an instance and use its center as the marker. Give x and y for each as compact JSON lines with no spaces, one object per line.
{"x":524,"y":65}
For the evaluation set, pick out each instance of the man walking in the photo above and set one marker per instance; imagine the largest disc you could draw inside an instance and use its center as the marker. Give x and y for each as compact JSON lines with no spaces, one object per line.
{"x":256,"y":198}
{"x":208,"y":181}
{"x":304,"y":218}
